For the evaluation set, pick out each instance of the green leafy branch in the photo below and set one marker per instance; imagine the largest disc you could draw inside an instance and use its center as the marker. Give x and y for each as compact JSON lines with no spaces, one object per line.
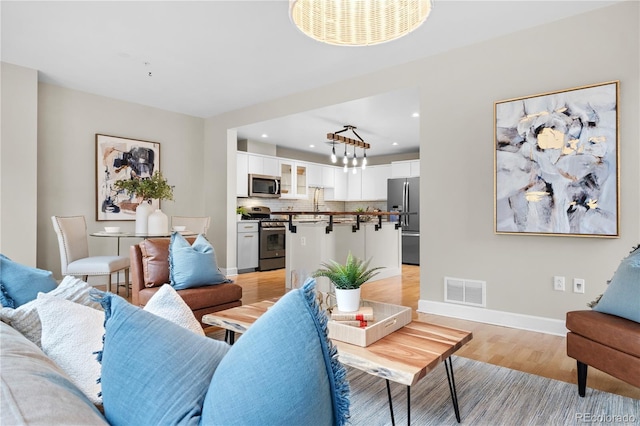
{"x":155,"y":187}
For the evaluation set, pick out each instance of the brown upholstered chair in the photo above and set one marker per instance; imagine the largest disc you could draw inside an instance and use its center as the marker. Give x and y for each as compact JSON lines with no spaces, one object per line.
{"x":605,"y":342}
{"x":150,"y":270}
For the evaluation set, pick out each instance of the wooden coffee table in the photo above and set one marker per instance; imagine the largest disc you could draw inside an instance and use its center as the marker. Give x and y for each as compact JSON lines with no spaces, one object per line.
{"x":404,"y":356}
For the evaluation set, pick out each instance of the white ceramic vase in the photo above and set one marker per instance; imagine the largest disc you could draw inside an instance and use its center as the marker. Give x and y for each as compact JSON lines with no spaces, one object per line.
{"x":143,"y":211}
{"x":158,"y":223}
{"x":348,"y":300}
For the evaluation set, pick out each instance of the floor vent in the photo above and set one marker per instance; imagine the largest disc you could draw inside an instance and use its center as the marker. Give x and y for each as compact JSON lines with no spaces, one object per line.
{"x":465,"y":292}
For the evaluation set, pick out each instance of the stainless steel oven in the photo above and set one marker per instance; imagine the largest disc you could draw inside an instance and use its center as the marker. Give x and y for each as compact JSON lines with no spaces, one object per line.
{"x":264,"y":186}
{"x":272,"y":245}
{"x":271,"y":237}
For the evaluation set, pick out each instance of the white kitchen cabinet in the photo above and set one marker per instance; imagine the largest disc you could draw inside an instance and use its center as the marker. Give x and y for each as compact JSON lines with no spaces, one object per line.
{"x":263,"y":165}
{"x":374,"y":182}
{"x":406,"y":168}
{"x":293,"y":179}
{"x":248,"y":245}
{"x":339,"y":190}
{"x":354,"y":185}
{"x":242,"y":175}
{"x":314,"y":175}
{"x":415,"y":168}
{"x":328,"y":176}
{"x":319,"y":175}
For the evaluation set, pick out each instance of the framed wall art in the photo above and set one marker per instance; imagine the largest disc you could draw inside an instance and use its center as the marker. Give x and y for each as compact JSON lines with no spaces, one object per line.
{"x":556,"y":163}
{"x":118,"y":159}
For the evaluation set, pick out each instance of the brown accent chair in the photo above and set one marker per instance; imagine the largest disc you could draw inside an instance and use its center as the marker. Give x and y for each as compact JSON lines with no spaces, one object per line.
{"x":605,"y":342}
{"x":150,"y":270}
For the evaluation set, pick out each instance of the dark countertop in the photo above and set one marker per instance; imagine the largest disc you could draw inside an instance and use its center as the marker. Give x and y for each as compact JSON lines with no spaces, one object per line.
{"x":367,"y":213}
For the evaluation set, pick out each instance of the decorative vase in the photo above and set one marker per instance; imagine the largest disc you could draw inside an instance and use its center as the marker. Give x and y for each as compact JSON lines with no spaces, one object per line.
{"x":158,"y":223}
{"x":143,"y":211}
{"x":239,"y":216}
{"x":348,"y":300}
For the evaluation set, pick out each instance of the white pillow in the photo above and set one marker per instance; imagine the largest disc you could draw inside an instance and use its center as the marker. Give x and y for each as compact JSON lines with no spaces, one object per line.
{"x":25,"y":318}
{"x":71,"y":334}
{"x":168,"y":304}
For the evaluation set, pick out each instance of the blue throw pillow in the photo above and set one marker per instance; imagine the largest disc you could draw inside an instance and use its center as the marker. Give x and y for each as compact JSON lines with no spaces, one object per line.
{"x":20,"y":284}
{"x":622,"y":296}
{"x":154,"y":372}
{"x":282,"y":371}
{"x":193,"y":265}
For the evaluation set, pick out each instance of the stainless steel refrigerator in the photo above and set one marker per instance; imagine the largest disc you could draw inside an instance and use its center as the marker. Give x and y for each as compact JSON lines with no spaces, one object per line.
{"x":403,"y":195}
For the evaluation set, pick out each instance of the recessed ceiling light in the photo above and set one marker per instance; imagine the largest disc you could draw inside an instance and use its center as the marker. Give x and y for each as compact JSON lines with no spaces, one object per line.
{"x":415,"y":114}
{"x":312,"y":146}
{"x":394,"y":143}
{"x":264,"y":135}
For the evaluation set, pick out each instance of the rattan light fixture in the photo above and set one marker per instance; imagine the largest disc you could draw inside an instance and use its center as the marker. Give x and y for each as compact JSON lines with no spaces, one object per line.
{"x":358,"y":22}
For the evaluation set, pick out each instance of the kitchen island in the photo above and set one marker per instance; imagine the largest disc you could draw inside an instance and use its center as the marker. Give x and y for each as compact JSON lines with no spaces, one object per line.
{"x":316,"y":237}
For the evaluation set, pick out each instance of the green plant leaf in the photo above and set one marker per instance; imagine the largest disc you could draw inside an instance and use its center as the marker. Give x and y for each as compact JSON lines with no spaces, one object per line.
{"x":155,"y":187}
{"x":351,"y":275}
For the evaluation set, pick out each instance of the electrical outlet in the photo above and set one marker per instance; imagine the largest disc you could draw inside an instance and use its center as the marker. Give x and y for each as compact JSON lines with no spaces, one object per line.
{"x":303,"y":241}
{"x":558,"y":283}
{"x":578,"y":285}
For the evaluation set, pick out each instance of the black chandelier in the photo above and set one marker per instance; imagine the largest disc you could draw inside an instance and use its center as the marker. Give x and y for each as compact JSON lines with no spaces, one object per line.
{"x":356,"y":143}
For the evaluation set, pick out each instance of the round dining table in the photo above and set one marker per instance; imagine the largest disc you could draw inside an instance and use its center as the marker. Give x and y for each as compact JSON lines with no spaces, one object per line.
{"x":143,"y":236}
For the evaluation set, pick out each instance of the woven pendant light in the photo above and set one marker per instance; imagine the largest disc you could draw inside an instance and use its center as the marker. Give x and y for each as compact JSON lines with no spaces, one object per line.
{"x":358,"y":22}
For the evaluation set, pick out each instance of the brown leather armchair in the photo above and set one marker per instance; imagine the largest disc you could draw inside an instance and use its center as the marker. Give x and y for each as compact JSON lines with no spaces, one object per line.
{"x":605,"y":342}
{"x":150,"y":270}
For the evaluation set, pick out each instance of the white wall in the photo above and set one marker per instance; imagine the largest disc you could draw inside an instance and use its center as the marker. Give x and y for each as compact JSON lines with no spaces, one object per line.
{"x":67,"y":123}
{"x":457,"y":93}
{"x":19,"y":164}
{"x":457,"y":109}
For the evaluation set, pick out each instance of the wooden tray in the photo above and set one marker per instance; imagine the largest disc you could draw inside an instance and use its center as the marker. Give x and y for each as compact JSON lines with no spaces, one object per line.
{"x":388,"y":318}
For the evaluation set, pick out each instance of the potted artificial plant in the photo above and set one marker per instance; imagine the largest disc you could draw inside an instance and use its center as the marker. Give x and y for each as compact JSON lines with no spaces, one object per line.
{"x":146,"y":189}
{"x":347,"y":280}
{"x":241,"y":211}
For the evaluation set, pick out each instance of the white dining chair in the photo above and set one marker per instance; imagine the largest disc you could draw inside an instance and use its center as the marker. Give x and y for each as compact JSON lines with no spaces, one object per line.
{"x":199,"y":224}
{"x":74,"y":252}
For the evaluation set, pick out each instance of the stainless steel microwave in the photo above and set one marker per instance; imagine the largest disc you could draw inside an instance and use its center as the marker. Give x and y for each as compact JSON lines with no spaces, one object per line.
{"x":264,"y":186}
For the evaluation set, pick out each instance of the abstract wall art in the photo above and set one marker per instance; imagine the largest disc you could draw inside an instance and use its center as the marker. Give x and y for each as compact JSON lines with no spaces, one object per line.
{"x":118,"y":159}
{"x":556,"y":163}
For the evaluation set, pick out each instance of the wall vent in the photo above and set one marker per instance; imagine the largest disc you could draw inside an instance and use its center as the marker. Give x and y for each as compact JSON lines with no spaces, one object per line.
{"x":465,"y":292}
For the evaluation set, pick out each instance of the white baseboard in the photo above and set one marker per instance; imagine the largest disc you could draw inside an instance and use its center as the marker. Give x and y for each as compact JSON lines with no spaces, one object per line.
{"x":506,"y":319}
{"x":229,"y":271}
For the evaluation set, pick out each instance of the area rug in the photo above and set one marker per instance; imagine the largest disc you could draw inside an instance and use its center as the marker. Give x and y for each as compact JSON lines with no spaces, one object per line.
{"x":487,"y":395}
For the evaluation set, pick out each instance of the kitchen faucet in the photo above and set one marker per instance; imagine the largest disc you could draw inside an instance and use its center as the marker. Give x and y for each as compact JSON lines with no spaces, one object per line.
{"x":316,"y":199}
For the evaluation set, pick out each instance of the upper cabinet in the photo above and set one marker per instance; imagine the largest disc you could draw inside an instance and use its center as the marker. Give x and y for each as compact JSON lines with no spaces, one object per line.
{"x":319,"y":175}
{"x":263,"y":165}
{"x":293,"y":179}
{"x":242,"y":175}
{"x":314,"y":175}
{"x":298,"y":176}
{"x":407,"y":168}
{"x":337,"y":192}
{"x":374,"y":182}
{"x":354,"y":185}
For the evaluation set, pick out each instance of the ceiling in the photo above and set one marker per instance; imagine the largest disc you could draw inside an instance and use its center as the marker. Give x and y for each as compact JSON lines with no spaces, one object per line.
{"x":204,"y":58}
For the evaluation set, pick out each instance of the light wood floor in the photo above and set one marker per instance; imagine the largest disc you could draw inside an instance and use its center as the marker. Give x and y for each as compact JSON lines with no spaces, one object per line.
{"x":535,"y":353}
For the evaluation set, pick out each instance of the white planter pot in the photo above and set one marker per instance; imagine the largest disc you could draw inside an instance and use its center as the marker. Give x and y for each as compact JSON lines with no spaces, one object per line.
{"x":348,"y":300}
{"x":143,"y":211}
{"x":158,"y":223}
